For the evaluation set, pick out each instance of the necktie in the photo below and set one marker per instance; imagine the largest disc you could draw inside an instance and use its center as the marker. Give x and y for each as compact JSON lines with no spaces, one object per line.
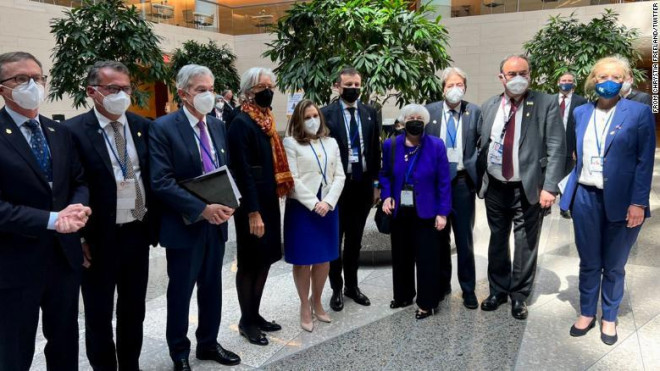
{"x":507,"y":151}
{"x":354,"y":142}
{"x":120,"y":142}
{"x":451,"y":130}
{"x":205,"y":148}
{"x":40,"y":149}
{"x":562,"y":106}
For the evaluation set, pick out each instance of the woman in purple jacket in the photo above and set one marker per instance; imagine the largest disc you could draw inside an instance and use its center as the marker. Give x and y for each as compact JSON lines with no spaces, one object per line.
{"x":416,"y":191}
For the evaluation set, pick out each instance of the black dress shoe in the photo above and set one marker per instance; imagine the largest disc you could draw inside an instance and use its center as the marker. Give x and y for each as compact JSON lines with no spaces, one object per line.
{"x":400,"y":304}
{"x":519,"y":309}
{"x":253,"y":335}
{"x":337,"y":301}
{"x":608,"y":339}
{"x":582,"y":331}
{"x":268,"y":326}
{"x":421,"y":315}
{"x":220,"y":355}
{"x":182,"y":365}
{"x":492,"y":302}
{"x":357,"y":296}
{"x":470,"y":300}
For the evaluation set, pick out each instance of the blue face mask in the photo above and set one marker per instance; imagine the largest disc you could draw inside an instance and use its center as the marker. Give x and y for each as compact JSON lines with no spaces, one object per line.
{"x":566,"y":86}
{"x":608,"y":89}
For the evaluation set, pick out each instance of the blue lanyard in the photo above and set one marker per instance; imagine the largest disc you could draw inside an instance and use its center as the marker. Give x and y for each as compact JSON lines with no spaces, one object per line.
{"x":122,"y":166}
{"x":348,"y":125}
{"x":206,"y":150}
{"x":457,"y":123}
{"x":600,"y":139}
{"x":325,"y":167}
{"x":411,"y":165}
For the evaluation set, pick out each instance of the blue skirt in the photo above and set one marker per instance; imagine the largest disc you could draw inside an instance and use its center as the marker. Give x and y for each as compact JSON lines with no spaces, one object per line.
{"x":308,"y":237}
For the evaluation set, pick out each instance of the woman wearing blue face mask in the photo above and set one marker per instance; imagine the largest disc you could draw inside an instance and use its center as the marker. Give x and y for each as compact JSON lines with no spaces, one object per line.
{"x":608,"y":191}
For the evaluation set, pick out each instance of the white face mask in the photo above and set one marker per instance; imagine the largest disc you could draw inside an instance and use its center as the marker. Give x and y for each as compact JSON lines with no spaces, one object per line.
{"x":312,"y":125}
{"x":204,"y":102}
{"x":220,"y":105}
{"x":116,"y":104}
{"x":28,"y":95}
{"x":517,"y":85}
{"x":455,"y":94}
{"x":626,"y":86}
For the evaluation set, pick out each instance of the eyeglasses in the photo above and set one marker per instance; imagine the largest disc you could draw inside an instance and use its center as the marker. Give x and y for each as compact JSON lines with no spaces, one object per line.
{"x":513,"y":74}
{"x":22,"y":79}
{"x":115,"y":89}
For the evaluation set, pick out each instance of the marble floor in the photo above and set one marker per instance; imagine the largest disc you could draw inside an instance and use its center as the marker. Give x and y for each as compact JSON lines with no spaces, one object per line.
{"x":377,"y":337}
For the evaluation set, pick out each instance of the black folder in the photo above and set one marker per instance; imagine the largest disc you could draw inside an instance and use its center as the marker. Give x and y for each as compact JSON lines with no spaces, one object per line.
{"x":213,"y":188}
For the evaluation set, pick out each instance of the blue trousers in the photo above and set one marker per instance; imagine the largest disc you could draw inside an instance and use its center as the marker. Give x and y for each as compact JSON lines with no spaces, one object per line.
{"x":603,"y":247}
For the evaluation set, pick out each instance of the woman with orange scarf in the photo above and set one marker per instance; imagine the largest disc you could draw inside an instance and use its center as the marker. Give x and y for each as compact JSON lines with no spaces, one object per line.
{"x":259,"y":165}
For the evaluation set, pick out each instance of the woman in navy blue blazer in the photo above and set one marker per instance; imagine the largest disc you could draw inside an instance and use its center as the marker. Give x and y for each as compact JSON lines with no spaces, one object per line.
{"x":416,"y":191}
{"x":608,"y":191}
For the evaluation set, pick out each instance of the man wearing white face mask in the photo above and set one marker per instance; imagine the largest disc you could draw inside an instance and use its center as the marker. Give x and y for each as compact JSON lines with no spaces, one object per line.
{"x":520,"y":162}
{"x":113,"y":148}
{"x":628,"y":92}
{"x":455,"y":122}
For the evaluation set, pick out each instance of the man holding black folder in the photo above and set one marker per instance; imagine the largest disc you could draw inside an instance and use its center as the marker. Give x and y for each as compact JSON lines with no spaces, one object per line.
{"x":183,"y":145}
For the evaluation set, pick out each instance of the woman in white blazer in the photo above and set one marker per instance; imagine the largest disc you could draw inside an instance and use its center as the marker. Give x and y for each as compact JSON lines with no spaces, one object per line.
{"x":311,"y":220}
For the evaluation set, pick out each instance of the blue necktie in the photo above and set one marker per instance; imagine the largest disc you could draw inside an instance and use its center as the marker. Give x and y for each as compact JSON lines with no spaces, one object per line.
{"x":451,"y":130}
{"x":40,"y":148}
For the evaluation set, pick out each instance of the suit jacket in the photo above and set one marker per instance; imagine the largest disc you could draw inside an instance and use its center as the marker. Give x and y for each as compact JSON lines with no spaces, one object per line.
{"x":371,"y":125}
{"x":87,"y":135}
{"x":173,"y":157}
{"x":576,"y":101}
{"x":628,"y":162}
{"x":470,"y":116}
{"x":431,"y":176}
{"x":639,"y":96}
{"x":542,"y":150}
{"x":306,"y":173}
{"x":26,"y":200}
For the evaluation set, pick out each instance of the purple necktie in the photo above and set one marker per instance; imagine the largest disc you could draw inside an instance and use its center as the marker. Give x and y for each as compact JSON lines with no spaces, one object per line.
{"x":205,"y":148}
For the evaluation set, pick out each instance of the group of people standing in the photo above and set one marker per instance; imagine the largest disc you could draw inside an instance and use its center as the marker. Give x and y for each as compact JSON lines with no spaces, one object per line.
{"x":113,"y":178}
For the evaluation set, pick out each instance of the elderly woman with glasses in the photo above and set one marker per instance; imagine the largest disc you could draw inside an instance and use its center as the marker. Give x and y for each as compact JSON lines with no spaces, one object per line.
{"x":416,"y":191}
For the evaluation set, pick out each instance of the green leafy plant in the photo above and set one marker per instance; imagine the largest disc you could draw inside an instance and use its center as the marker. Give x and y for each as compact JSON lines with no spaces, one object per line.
{"x":398,"y":51}
{"x":219,"y":59}
{"x":103,"y":30}
{"x":564,"y":44}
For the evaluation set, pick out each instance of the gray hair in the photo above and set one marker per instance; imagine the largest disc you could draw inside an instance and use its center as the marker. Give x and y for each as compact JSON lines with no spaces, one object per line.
{"x":512,"y":56}
{"x":251,"y":78}
{"x":12,"y":57}
{"x":187,"y":72}
{"x":93,"y":77}
{"x":453,"y":71}
{"x":414,"y":109}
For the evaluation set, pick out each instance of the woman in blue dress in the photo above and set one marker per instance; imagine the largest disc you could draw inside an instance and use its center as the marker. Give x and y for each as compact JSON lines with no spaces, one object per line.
{"x":311,"y":221}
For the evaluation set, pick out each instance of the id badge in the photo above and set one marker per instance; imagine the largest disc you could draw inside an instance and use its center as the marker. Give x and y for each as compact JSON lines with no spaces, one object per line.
{"x":126,"y":194}
{"x":453,"y":154}
{"x":596,"y":164}
{"x":354,"y":156}
{"x":495,"y":157}
{"x":407,"y":196}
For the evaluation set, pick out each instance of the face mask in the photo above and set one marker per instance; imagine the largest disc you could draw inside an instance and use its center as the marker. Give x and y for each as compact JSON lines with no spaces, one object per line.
{"x":566,"y":86}
{"x":626,"y":86}
{"x":264,"y":98}
{"x":28,"y":95}
{"x":454,"y":95}
{"x":350,"y":95}
{"x":312,"y":125}
{"x":517,"y":85}
{"x":204,"y":102}
{"x":414,"y":127}
{"x":608,"y":89}
{"x":116,"y":104}
{"x":220,"y":105}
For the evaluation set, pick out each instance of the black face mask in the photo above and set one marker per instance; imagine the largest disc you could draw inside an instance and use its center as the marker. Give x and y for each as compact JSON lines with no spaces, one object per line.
{"x":350,"y":95}
{"x":264,"y":98}
{"x":414,"y":127}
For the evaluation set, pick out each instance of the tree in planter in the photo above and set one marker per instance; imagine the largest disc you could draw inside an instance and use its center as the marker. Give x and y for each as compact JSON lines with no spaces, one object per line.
{"x":565,"y":44}
{"x":397,"y":51}
{"x":104,"y":30}
{"x":219,"y":59}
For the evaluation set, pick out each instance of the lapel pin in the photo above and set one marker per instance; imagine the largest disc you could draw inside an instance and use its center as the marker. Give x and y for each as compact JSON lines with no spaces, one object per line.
{"x":222,"y":150}
{"x":527,"y":115}
{"x":467,"y":113}
{"x":139,"y":134}
{"x":51,"y":129}
{"x":435,"y":122}
{"x":8,"y":131}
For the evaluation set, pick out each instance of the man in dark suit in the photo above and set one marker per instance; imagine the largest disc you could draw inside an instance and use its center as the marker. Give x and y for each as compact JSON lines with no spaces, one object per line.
{"x":455,"y":122}
{"x":629,"y":93}
{"x":356,"y":127}
{"x":567,"y":103}
{"x":183,"y":145}
{"x":42,"y":194}
{"x":521,"y":160}
{"x":113,"y":148}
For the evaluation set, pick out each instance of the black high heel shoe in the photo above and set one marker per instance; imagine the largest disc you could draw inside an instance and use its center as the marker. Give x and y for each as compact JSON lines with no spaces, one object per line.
{"x":420,"y":314}
{"x":253,"y":335}
{"x":400,"y":304}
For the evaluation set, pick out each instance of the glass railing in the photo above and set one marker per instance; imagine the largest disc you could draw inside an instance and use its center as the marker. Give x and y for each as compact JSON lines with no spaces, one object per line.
{"x":463,"y":8}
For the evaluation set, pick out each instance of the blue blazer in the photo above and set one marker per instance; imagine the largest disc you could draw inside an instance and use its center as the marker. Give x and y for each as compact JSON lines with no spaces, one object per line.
{"x":173,"y":157}
{"x":430,"y":176}
{"x":628,"y":162}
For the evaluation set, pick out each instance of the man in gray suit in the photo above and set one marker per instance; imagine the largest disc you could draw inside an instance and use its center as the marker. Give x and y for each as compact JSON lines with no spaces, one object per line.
{"x":455,"y":122}
{"x":521,"y":160}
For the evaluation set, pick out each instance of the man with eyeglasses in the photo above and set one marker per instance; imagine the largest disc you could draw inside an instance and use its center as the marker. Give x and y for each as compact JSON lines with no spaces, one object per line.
{"x":520,"y":163}
{"x":113,"y":148}
{"x":42,"y":194}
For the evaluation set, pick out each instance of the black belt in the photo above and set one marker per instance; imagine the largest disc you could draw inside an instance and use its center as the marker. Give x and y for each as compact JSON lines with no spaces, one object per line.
{"x":462,"y":174}
{"x":503,"y":184}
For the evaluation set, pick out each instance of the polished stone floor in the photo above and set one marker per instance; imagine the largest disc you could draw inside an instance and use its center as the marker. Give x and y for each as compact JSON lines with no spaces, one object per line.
{"x":377,"y":337}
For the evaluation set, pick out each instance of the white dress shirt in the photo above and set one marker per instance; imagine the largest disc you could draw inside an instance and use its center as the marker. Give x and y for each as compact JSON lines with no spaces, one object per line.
{"x":569,"y":96}
{"x":193,"y":122}
{"x":495,"y":137}
{"x":458,"y":121}
{"x":347,"y":125}
{"x":590,"y":147}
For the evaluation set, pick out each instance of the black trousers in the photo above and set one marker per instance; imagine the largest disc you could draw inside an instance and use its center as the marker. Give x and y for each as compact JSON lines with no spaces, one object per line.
{"x":57,"y":297}
{"x":416,"y":242}
{"x":186,"y":267}
{"x":507,"y":207}
{"x":354,"y":204}
{"x":125,"y":267}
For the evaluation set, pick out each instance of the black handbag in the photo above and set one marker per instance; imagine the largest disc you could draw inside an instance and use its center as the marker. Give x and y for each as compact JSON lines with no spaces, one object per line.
{"x":384,"y":221}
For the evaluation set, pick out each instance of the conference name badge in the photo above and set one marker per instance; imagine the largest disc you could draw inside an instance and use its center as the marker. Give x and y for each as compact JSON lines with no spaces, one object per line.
{"x":495,"y":157}
{"x":596,"y":164}
{"x":126,"y":194}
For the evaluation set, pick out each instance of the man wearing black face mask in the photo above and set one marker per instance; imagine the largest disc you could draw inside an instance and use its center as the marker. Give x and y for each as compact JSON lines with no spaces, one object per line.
{"x":356,"y":127}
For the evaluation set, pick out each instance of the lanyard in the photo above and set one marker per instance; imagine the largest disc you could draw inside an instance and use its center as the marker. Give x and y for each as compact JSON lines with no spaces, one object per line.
{"x":206,"y":150}
{"x":601,"y":139}
{"x":411,"y":165}
{"x":457,"y":124}
{"x":323,"y":169}
{"x":122,"y":166}
{"x":511,"y":113}
{"x":348,"y":125}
